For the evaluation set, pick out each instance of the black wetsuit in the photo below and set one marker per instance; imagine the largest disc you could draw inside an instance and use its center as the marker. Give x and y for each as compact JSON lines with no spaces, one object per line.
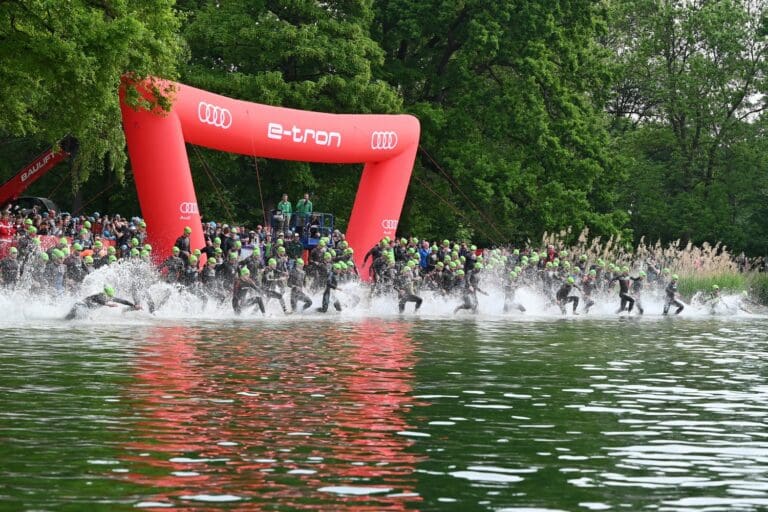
{"x":627,"y":301}
{"x":175,"y":266}
{"x":588,"y":287}
{"x":510,"y":289}
{"x":240,"y":288}
{"x":405,"y":292}
{"x":563,"y":297}
{"x":296,"y":280}
{"x":273,"y":284}
{"x":95,"y":301}
{"x":331,"y":283}
{"x":671,"y":291}
{"x":9,"y":270}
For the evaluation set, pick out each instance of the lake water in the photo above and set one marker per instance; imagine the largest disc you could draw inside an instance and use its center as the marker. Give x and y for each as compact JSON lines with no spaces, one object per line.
{"x":386,"y":413}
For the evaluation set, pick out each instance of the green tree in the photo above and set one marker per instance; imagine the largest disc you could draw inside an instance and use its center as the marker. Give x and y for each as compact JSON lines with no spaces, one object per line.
{"x":61,"y":64}
{"x":509,"y":95}
{"x":686,"y":105}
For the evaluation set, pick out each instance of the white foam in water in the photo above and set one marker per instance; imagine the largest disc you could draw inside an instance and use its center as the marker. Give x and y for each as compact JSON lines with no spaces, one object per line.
{"x":135,"y":281}
{"x":213,"y":498}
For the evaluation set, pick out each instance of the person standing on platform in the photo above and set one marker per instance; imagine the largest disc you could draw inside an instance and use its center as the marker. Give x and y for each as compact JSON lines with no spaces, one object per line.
{"x":302,"y":212}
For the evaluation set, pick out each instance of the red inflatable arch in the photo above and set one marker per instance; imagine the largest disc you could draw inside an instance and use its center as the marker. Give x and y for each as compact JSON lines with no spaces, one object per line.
{"x":387,"y":145}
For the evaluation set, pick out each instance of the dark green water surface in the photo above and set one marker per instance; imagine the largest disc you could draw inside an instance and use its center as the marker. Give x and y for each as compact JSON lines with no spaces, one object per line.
{"x":386,"y":414}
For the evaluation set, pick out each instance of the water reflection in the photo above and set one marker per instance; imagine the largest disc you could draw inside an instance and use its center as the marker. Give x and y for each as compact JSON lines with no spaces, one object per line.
{"x":310,"y":417}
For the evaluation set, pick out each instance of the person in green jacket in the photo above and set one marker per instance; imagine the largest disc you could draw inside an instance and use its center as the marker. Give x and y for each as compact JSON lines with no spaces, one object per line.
{"x":303,"y":211}
{"x":283,"y":213}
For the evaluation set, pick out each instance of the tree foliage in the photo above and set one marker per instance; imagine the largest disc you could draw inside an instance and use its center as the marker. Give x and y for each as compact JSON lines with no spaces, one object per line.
{"x":61,"y":64}
{"x":641,"y":116}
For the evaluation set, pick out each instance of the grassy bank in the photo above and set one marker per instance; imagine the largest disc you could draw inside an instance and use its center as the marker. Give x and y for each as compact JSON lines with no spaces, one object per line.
{"x":729,"y":282}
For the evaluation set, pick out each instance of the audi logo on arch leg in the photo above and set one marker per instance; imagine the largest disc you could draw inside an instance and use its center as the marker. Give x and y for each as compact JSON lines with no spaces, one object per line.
{"x":214,"y":115}
{"x":188,"y":208}
{"x":389,"y":224}
{"x":383,"y":140}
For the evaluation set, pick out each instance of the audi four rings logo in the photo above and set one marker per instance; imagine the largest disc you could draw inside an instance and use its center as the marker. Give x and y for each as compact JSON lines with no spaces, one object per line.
{"x":214,"y":115}
{"x":188,"y":208}
{"x":383,"y":140}
{"x":389,"y":224}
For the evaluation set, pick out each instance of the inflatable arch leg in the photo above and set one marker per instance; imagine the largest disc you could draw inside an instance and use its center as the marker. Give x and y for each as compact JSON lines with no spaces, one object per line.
{"x":387,"y":144}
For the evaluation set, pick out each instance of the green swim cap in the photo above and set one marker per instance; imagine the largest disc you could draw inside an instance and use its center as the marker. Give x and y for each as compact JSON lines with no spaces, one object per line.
{"x":112,"y":258}
{"x":88,"y":260}
{"x":134,"y":252}
{"x":219,"y":250}
{"x":299,"y":262}
{"x":134,"y":242}
{"x":459,"y":272}
{"x":571,"y":280}
{"x":77,"y":247}
{"x":272,"y":262}
{"x":245,"y":272}
{"x":44,"y":256}
{"x":197,"y":252}
{"x":211,"y":261}
{"x":715,"y":287}
{"x":97,"y":244}
{"x":32,"y":230}
{"x":192,"y":259}
{"x":63,"y":241}
{"x":27,"y":222}
{"x":87,"y":224}
{"x":187,"y":230}
{"x":281,"y":250}
{"x":217,"y":241}
{"x":109,"y":291}
{"x":479,"y":266}
{"x":14,"y":250}
{"x":147,"y":247}
{"x":641,"y":273}
{"x":233,"y":255}
{"x":175,"y":250}
{"x":674,"y":277}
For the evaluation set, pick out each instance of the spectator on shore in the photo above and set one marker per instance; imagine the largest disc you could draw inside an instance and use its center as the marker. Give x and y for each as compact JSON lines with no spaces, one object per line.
{"x":303,"y":211}
{"x":283,"y":214}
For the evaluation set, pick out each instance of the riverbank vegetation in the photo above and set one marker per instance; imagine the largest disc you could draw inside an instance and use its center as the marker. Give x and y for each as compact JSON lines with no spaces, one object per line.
{"x":637,"y":119}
